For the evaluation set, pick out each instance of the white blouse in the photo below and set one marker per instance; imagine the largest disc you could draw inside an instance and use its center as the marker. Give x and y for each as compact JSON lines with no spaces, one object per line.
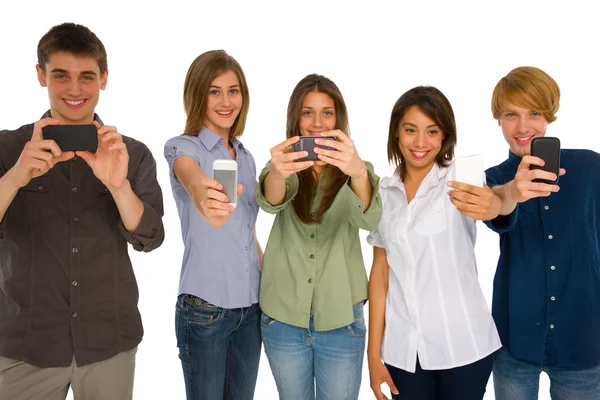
{"x":434,"y":306}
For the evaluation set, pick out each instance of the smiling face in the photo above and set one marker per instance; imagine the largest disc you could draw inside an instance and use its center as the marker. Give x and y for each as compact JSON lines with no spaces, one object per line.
{"x":224,"y":103}
{"x":317,"y":115}
{"x":420,"y":140}
{"x":520,"y":126}
{"x":74,"y":84}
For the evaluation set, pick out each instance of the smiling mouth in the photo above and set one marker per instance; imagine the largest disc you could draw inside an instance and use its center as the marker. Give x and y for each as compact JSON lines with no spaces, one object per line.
{"x":315,"y":133}
{"x":524,"y":140}
{"x":225,"y":114}
{"x":419,"y":154}
{"x":74,"y":104}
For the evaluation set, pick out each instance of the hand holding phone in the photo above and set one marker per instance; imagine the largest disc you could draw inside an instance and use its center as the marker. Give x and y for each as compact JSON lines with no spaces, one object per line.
{"x":73,"y":137}
{"x":307,"y":143}
{"x":548,"y":149}
{"x":226,"y":173}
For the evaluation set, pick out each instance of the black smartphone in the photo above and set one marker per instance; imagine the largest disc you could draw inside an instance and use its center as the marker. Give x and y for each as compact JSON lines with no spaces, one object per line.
{"x":548,"y":149}
{"x":307,"y":143}
{"x":73,"y":137}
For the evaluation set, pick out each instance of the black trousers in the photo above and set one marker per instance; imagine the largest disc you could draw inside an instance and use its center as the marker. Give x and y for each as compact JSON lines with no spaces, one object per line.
{"x":462,"y":383}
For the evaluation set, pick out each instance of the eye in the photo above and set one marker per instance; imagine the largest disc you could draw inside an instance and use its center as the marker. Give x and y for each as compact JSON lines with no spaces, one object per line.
{"x":234,"y":91}
{"x":536,"y":114}
{"x":329,"y":113}
{"x":306,"y":112}
{"x":509,"y":115}
{"x":88,"y":78}
{"x":409,"y":130}
{"x":60,"y":77}
{"x":214,"y":92}
{"x":433,"y":132}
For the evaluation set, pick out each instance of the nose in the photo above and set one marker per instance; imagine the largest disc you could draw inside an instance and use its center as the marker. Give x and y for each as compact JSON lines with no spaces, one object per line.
{"x":421,"y":139}
{"x":523,"y":125}
{"x":317,"y":120}
{"x":225,"y":100}
{"x":74,"y":88}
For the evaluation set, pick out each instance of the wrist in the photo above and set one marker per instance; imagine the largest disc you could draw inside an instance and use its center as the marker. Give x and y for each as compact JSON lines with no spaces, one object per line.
{"x":119,"y":191}
{"x":11,"y":180}
{"x":360,"y":176}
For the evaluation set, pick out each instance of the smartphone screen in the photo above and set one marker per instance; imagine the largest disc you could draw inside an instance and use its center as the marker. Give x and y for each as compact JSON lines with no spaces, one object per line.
{"x":73,"y":137}
{"x":227,"y":178}
{"x":548,"y":149}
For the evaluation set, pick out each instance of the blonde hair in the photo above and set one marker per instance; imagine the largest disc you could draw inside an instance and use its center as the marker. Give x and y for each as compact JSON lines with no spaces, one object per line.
{"x":527,"y":87}
{"x":205,"y":68}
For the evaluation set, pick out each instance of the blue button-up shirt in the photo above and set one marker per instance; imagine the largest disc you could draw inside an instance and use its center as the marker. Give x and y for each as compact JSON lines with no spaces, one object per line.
{"x":220,"y":265}
{"x":546,"y":301}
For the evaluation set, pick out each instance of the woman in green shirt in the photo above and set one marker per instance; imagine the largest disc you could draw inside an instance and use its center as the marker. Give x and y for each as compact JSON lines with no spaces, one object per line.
{"x":313,"y":283}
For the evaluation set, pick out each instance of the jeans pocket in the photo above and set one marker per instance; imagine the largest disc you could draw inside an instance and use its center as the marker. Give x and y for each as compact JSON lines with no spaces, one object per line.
{"x":358,"y":327}
{"x":266,"y":321}
{"x":204,"y":315}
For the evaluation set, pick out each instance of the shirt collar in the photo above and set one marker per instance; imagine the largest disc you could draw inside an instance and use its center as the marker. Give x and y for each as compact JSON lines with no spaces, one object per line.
{"x":48,"y":114}
{"x":513,"y":159}
{"x":210,"y":139}
{"x":433,"y":177}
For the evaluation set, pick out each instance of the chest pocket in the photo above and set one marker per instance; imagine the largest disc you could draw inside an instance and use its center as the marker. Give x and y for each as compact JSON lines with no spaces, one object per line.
{"x":432,"y":219}
{"x":103,"y":200}
{"x":37,"y":196}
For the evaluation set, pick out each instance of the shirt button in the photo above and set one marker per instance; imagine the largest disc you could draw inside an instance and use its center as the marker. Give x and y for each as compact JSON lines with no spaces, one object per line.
{"x":249,"y":203}
{"x":246,"y":269}
{"x":105,"y":189}
{"x":546,"y":207}
{"x":312,"y":235}
{"x":551,"y":326}
{"x":312,"y":214}
{"x":75,"y":158}
{"x":552,"y":298}
{"x":310,"y":280}
{"x":248,"y":226}
{"x":312,"y":256}
{"x":74,"y":283}
{"x":246,"y":247}
{"x":40,"y":187}
{"x":75,"y":219}
{"x":75,"y":250}
{"x":74,"y":189}
{"x":550,"y":237}
{"x":74,"y":315}
{"x":553,"y":268}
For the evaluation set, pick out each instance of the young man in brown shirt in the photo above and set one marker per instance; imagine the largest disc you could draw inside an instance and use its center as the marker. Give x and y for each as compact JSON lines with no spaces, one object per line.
{"x":68,"y":294}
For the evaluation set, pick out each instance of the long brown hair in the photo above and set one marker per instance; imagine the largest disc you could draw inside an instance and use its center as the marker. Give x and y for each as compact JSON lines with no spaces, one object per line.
{"x":436,"y":106}
{"x":333,"y":178}
{"x":205,"y":68}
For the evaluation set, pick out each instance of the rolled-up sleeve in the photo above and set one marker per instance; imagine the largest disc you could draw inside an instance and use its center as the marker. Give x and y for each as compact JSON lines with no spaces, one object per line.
{"x":150,"y":232}
{"x":181,"y":146}
{"x":360,"y":218}
{"x":291,"y":189}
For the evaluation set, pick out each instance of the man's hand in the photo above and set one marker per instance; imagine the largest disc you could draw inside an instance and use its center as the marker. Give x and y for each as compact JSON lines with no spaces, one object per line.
{"x":38,"y":156}
{"x":522,"y":188}
{"x":111,"y":161}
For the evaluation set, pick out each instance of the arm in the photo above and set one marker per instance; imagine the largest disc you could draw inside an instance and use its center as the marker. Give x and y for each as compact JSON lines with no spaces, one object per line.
{"x":129,"y":205}
{"x":362,"y":188}
{"x":8,"y":191}
{"x":204,"y":192}
{"x":378,"y":288}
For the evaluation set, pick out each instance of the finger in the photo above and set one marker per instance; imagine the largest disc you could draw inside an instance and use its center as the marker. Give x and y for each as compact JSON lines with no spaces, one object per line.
{"x":289,"y":157}
{"x":464,"y":196}
{"x":67,"y":155}
{"x":527,"y":161}
{"x":541,"y":174}
{"x":108,"y":136}
{"x":215,"y":204}
{"x":338,"y":155}
{"x":213,"y":212}
{"x":378,"y":393}
{"x":211,"y":183}
{"x":240,"y":189}
{"x":119,"y":146}
{"x":216,"y":195}
{"x":330,"y":160}
{"x":87,"y":157}
{"x":47,"y":145}
{"x":465,"y":187}
{"x":104,"y":129}
{"x":97,"y":125}
{"x":338,"y":145}
{"x":543,"y":187}
{"x":338,"y":134}
{"x":562,"y":171}
{"x":391,"y":385}
{"x":38,"y":126}
{"x":463,"y":206}
{"x":283,"y":145}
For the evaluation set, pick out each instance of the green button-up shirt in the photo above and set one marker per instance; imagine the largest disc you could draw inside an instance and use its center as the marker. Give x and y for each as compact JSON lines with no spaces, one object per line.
{"x":316,"y":267}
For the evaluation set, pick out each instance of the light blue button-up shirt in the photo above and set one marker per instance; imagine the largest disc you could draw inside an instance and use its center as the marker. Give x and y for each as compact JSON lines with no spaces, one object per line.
{"x":220,"y":265}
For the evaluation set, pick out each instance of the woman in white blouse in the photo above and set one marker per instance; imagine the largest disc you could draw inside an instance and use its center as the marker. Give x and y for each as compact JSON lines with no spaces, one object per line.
{"x":431,"y":335}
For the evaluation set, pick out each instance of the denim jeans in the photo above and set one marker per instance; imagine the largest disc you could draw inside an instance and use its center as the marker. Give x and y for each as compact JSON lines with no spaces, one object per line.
{"x":519,"y":380}
{"x":299,"y":357}
{"x":219,"y":349}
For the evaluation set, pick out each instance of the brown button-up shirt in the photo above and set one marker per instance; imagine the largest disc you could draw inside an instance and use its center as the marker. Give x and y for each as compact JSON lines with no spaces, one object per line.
{"x":67,"y":286}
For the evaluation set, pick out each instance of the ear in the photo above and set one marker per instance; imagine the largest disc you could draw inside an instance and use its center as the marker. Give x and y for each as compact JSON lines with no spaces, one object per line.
{"x":104,"y":80}
{"x":499,"y":124}
{"x":41,"y":76}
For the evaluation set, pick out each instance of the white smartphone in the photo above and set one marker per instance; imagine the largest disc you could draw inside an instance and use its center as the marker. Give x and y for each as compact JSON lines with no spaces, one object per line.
{"x":226,"y":173}
{"x":469,"y":169}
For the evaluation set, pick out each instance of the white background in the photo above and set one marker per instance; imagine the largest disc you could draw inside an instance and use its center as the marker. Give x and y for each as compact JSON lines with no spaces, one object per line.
{"x":374,"y":52}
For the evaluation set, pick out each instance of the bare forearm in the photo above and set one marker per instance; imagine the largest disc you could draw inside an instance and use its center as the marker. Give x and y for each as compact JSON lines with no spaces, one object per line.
{"x":503,"y":192}
{"x":363,"y":189}
{"x":130,"y":206}
{"x":274,"y":189}
{"x":378,"y":287}
{"x":8,"y":191}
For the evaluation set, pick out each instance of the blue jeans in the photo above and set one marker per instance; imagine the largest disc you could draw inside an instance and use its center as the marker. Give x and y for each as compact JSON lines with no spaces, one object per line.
{"x":299,"y":357}
{"x":519,"y":380}
{"x":219,"y":349}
